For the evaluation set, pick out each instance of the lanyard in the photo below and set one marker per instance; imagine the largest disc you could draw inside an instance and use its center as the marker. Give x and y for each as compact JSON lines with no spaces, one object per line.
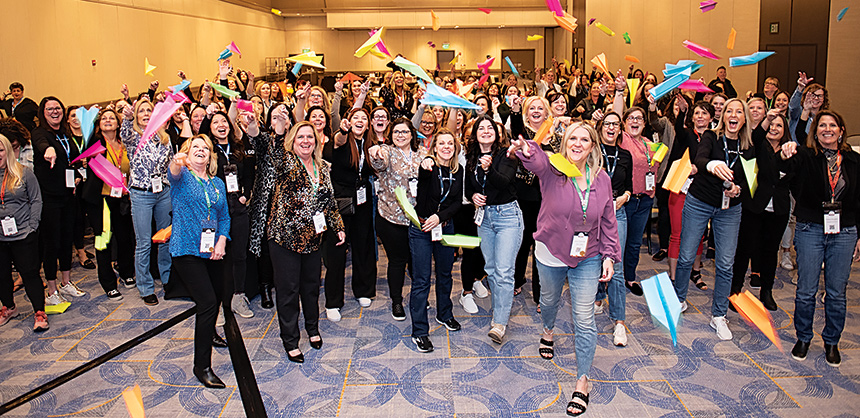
{"x":737,"y":153}
{"x":226,"y":153}
{"x":66,"y":147}
{"x":206,"y":193}
{"x":3,"y":190}
{"x":450,"y":179}
{"x":647,"y":154}
{"x":315,"y":179}
{"x":834,"y":178}
{"x":614,"y":160}
{"x":79,"y":145}
{"x":116,"y":158}
{"x":583,"y":197}
{"x":484,"y":181}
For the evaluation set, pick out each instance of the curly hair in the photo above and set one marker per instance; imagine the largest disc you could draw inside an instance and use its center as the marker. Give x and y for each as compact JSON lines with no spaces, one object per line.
{"x":14,"y":131}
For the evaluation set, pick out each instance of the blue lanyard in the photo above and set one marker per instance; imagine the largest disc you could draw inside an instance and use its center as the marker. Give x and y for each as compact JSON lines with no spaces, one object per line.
{"x":66,"y":147}
{"x":614,"y":160}
{"x":726,"y":149}
{"x":450,"y":179}
{"x":226,"y":153}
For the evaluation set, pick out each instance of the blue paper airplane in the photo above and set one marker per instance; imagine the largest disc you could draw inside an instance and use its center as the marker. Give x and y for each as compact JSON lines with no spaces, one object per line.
{"x":667,"y":86}
{"x":749,"y":59}
{"x":437,"y":96}
{"x":663,"y":302}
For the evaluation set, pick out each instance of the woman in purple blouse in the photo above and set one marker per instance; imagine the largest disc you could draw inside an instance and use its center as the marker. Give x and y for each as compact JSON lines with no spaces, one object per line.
{"x":576,"y":240}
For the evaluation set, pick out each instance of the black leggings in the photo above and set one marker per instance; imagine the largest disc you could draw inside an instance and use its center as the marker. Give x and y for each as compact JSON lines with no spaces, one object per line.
{"x":297,"y":277}
{"x":472,"y":264}
{"x":362,"y":245}
{"x":55,"y":236}
{"x":204,"y":278}
{"x":530,"y":213}
{"x":395,"y":240}
{"x":758,"y":240}
{"x":122,"y":235}
{"x":237,"y":250}
{"x":25,"y":255}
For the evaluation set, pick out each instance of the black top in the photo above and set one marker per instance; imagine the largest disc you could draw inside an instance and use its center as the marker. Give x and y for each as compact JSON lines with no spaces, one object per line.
{"x":345,"y":178}
{"x":706,"y":186}
{"x":26,"y":112}
{"x":229,"y":155}
{"x":685,"y":138}
{"x":527,"y":184}
{"x":589,"y":107}
{"x":772,"y":184}
{"x":52,"y":181}
{"x":728,"y":88}
{"x":439,"y":192}
{"x":618,"y":163}
{"x":396,"y":107}
{"x":498,"y":184}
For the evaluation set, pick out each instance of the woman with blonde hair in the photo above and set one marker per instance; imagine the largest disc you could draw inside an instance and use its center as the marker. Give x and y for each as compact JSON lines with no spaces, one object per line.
{"x":397,"y":97}
{"x":576,"y":242}
{"x":150,"y":193}
{"x":20,"y":210}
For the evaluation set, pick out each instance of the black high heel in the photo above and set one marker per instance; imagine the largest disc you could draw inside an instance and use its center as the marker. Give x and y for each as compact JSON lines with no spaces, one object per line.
{"x":299,"y":358}
{"x":208,"y":378}
{"x":316,"y":345}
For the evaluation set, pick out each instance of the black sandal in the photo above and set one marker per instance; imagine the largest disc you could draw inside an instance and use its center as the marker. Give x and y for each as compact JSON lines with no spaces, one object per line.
{"x":546,"y":352}
{"x":696,"y":278}
{"x":576,"y":406}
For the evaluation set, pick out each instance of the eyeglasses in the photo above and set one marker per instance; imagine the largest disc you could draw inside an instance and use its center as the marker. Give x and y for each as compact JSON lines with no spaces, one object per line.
{"x":426,"y":122}
{"x":380,"y":117}
{"x":53,"y":109}
{"x":636,"y":118}
{"x":770,"y":83}
{"x":400,"y":132}
{"x":611,"y":124}
{"x":816,"y":96}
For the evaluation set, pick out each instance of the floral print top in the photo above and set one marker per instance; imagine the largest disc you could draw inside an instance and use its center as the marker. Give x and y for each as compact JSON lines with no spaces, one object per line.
{"x":396,"y":171}
{"x":151,"y":159}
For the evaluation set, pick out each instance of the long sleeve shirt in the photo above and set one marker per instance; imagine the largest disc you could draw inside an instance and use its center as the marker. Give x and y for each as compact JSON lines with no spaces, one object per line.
{"x":397,"y":170}
{"x":150,"y":160}
{"x":439,"y":192}
{"x":497,"y":184}
{"x":52,"y":180}
{"x":23,"y":203}
{"x":795,"y":109}
{"x":560,"y":217}
{"x":641,"y":152}
{"x":197,"y":202}
{"x":706,"y":186}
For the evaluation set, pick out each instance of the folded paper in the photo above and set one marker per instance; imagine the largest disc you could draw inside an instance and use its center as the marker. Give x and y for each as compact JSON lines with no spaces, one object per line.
{"x":751,"y":173}
{"x":485,"y":66}
{"x":163,"y":235}
{"x":483,"y":79}
{"x":605,"y":30}
{"x":732,"y":36}
{"x":106,"y":171}
{"x":235,"y":49}
{"x":435,"y":21}
{"x":178,"y":97}
{"x":631,"y":58}
{"x":672,"y":70}
{"x":413,"y":68}
{"x":563,"y":165}
{"x":755,"y":314}
{"x":370,"y":43}
{"x":95,"y":149}
{"x":707,"y":6}
{"x":350,"y":77}
{"x":407,"y":207}
{"x":841,"y":14}
{"x":591,"y":21}
{"x":462,"y":241}
{"x":660,"y":150}
{"x":148,"y":68}
{"x":678,"y":173}
{"x":309,"y":58}
{"x":534,"y":37}
{"x":665,"y":87}
{"x":58,"y":308}
{"x":134,"y":402}
{"x":161,"y":113}
{"x":276,"y":11}
{"x":695,"y":85}
{"x":566,"y":21}
{"x":102,"y":240}
{"x":749,"y":59}
{"x":455,"y":60}
{"x":224,"y":91}
{"x":296,"y":68}
{"x":700,"y":50}
{"x":465,"y":89}
{"x":663,"y":303}
{"x":181,"y":86}
{"x":626,"y":37}
{"x":600,"y":62}
{"x":226,"y":53}
{"x":543,"y":131}
{"x":87,"y":118}
{"x":632,"y":87}
{"x":487,"y":11}
{"x":244,"y":105}
{"x":512,"y":67}
{"x":555,"y":7}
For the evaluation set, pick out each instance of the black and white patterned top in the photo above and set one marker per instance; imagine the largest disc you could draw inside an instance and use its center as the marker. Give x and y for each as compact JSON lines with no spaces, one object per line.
{"x":153,"y":158}
{"x":264,"y":183}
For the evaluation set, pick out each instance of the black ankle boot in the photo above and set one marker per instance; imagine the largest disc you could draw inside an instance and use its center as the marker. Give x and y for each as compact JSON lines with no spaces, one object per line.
{"x":831,"y":355}
{"x":266,"y":296}
{"x":208,"y":378}
{"x":766,"y":297}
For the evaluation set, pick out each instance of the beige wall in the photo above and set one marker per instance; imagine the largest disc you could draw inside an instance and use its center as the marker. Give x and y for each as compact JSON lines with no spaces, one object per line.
{"x":49,"y":44}
{"x":843,"y":60}
{"x":658,"y":28}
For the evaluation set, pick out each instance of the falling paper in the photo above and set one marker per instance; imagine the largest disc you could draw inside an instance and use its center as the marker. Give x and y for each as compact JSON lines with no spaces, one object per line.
{"x":841,"y":14}
{"x":707,"y":6}
{"x":732,"y":36}
{"x":147,"y":67}
{"x":244,"y":105}
{"x":437,"y":96}
{"x":543,"y":131}
{"x":751,"y":172}
{"x":163,"y":235}
{"x":605,"y":30}
{"x":224,"y":91}
{"x":566,"y":21}
{"x":626,"y":37}
{"x":678,"y":173}
{"x":485,"y":66}
{"x":226,"y":53}
{"x":276,"y":11}
{"x":700,"y":50}
{"x":106,"y":171}
{"x":57,"y":309}
{"x":632,"y":87}
{"x":631,"y":58}
{"x":309,"y":58}
{"x":672,"y":70}
{"x":95,"y":149}
{"x":695,"y":85}
{"x":749,"y":59}
{"x":755,"y":314}
{"x":134,"y":402}
{"x":413,"y":68}
{"x":181,"y":86}
{"x":161,"y":113}
{"x":407,"y":207}
{"x":590,"y":21}
{"x":555,"y":7}
{"x":431,"y":44}
{"x":483,"y":79}
{"x":102,"y":240}
{"x":512,"y":67}
{"x":87,"y":118}
{"x":296,"y":68}
{"x":663,"y":303}
{"x":660,"y":150}
{"x":665,"y":87}
{"x":370,"y":43}
{"x":534,"y":37}
{"x":465,"y":89}
{"x":462,"y":241}
{"x":235,"y":49}
{"x":487,"y":11}
{"x":350,"y":77}
{"x":600,"y":62}
{"x":435,"y":20}
{"x":178,"y":97}
{"x":455,"y":60}
{"x":564,"y":166}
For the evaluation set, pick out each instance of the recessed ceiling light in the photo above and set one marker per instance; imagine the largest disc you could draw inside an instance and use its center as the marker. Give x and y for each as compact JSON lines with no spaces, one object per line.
{"x":422,"y":27}
{"x":457,"y":27}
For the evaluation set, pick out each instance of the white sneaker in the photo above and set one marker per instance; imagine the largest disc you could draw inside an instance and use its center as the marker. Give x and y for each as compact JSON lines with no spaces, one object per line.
{"x":54,"y":299}
{"x":497,"y":333}
{"x":785,"y":261}
{"x":619,"y":335}
{"x":479,"y":290}
{"x":364,"y":302}
{"x":219,"y":322}
{"x":333,"y":314}
{"x":684,"y":306}
{"x":468,"y":302}
{"x":240,"y":306}
{"x":71,"y":289}
{"x":598,"y":309}
{"x":720,"y":324}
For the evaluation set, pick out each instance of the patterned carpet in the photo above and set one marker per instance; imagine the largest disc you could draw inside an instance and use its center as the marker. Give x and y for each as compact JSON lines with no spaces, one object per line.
{"x":368,"y":365}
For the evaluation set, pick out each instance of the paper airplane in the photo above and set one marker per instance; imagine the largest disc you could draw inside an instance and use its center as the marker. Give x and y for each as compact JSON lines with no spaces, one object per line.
{"x":695,"y":85}
{"x":755,"y":314}
{"x":672,"y":70}
{"x":147,"y":67}
{"x":58,"y":308}
{"x":413,"y":68}
{"x":626,"y":37}
{"x":678,"y":173}
{"x":276,"y":11}
{"x":512,"y":67}
{"x":555,"y":7}
{"x":296,"y":68}
{"x":544,"y":130}
{"x":350,"y":77}
{"x":665,"y":87}
{"x":841,"y":14}
{"x":605,"y":30}
{"x":461,"y":241}
{"x":245,"y":105}
{"x":465,"y":89}
{"x":87,"y":117}
{"x":566,"y":21}
{"x":407,"y":207}
{"x":487,"y":11}
{"x":455,"y":60}
{"x":163,"y":235}
{"x":563,"y":165}
{"x":751,"y":173}
{"x":96,"y":148}
{"x":435,"y":21}
{"x":102,"y":240}
{"x":308,"y":58}
{"x":161,"y":113}
{"x":369,"y":44}
{"x":134,"y":402}
{"x":437,"y":96}
{"x":751,"y":59}
{"x":663,"y":303}
{"x":700,"y":50}
{"x":600,"y":62}
{"x":224,"y":91}
{"x":235,"y":49}
{"x":633,"y":87}
{"x":181,"y":86}
{"x":178,"y":97}
{"x":732,"y":36}
{"x":485,"y":66}
{"x":590,"y":21}
{"x":631,"y":58}
{"x":226,"y":53}
{"x":660,"y":150}
{"x":431,"y":44}
{"x":707,"y":6}
{"x":483,"y":79}
{"x":534,"y":37}
{"x":106,"y":171}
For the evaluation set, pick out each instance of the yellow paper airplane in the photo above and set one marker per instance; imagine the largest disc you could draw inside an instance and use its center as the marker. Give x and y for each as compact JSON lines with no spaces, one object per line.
{"x":600,"y":62}
{"x":678,"y":173}
{"x":660,"y":153}
{"x":308,"y":58}
{"x":543,"y":132}
{"x":752,"y":310}
{"x":534,"y":38}
{"x":732,"y":35}
{"x":751,"y":173}
{"x":562,"y":164}
{"x":147,"y":67}
{"x":134,"y":402}
{"x":370,"y":43}
{"x":632,"y":86}
{"x":435,"y":19}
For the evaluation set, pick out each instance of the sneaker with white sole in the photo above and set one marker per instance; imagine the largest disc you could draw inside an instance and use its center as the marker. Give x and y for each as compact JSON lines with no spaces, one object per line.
{"x":785,"y":261}
{"x":54,"y":299}
{"x":497,"y":333}
{"x":619,"y":335}
{"x":721,"y":324}
{"x":6,"y":314}
{"x":219,"y":321}
{"x":479,"y":290}
{"x":423,"y":344}
{"x":114,"y":294}
{"x":41,"y":322}
{"x":598,"y":308}
{"x":128,"y":282}
{"x":684,"y":306}
{"x":240,"y":306}
{"x":71,"y":289}
{"x":333,"y":314}
{"x":364,"y":302}
{"x":468,"y":303}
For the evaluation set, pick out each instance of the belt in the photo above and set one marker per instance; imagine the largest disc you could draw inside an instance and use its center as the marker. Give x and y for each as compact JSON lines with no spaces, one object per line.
{"x":146,"y":189}
{"x":639,"y":195}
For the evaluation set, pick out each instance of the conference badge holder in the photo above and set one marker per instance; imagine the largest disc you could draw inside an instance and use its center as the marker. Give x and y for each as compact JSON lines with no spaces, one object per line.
{"x":9,"y":226}
{"x":231,"y":176}
{"x":479,"y":216}
{"x":207,"y":236}
{"x":157,"y":185}
{"x":832,"y":216}
{"x":579,"y":244}
{"x":319,"y":223}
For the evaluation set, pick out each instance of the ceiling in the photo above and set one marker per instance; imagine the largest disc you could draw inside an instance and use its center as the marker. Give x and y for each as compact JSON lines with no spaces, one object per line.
{"x":320,"y":7}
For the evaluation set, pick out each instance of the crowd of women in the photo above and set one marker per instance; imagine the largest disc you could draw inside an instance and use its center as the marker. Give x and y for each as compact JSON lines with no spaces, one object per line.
{"x":306,"y":175}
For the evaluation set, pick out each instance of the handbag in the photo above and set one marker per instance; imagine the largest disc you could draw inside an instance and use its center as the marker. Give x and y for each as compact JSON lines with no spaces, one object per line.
{"x":345,"y":206}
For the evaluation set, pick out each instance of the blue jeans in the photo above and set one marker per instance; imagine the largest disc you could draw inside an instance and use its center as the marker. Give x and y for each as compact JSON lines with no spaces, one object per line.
{"x":615,"y":288}
{"x":726,"y":224}
{"x":145,"y":205}
{"x":813,"y":248}
{"x":582,"y":282}
{"x":638,"y":210}
{"x":422,"y":250}
{"x":501,"y":234}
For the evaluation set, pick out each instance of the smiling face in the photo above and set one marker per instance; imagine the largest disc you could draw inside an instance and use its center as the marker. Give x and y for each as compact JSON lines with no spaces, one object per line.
{"x":439,"y":113}
{"x":359,"y":123}
{"x":197,"y":116}
{"x":757,"y":110}
{"x":816,"y":98}
{"x":304,"y":143}
{"x":701,"y":118}
{"x":781,"y":102}
{"x":231,"y":84}
{"x":398,"y":79}
{"x":718,"y":102}
{"x":380,"y":121}
{"x":274,"y":89}
{"x":317,"y":118}
{"x":828,"y":132}
{"x":578,"y":145}
{"x":559,"y":106}
{"x":74,"y":122}
{"x":595,"y":91}
{"x":485,"y":105}
{"x":316,"y":97}
{"x":493,"y":90}
{"x":401,"y":135}
{"x":513,"y":91}
{"x":721,"y":74}
{"x":220,"y":127}
{"x":108,"y":122}
{"x":486,"y":134}
{"x":198,"y":155}
{"x":445,"y":148}
{"x":144,"y":111}
{"x":611,"y":128}
{"x":511,"y":80}
{"x":54,"y":113}
{"x":17,"y":93}
{"x":265,"y":92}
{"x":776,"y":130}
{"x":770,"y":87}
{"x":536,"y":112}
{"x":733,"y":118}
{"x":428,"y":125}
{"x":635,"y":123}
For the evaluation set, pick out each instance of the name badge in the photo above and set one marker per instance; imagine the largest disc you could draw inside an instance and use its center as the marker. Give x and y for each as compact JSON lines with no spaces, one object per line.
{"x":207,"y":239}
{"x":479,"y":216}
{"x":686,"y":185}
{"x":579,"y":244}
{"x":650,"y":182}
{"x":361,"y":195}
{"x":231,"y":178}
{"x":319,"y":222}
{"x":832,"y":215}
{"x":436,"y":233}
{"x":726,"y":201}
{"x":157,"y":185}
{"x":376,"y":187}
{"x":9,"y":226}
{"x":83,"y":172}
{"x":116,"y":192}
{"x":413,"y":187}
{"x":70,"y":178}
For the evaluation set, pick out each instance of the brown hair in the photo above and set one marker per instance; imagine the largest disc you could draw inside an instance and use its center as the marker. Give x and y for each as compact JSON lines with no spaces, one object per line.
{"x":812,"y":137}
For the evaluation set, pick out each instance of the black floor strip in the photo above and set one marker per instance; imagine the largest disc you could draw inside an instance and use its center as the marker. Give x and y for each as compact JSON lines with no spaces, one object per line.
{"x":248,"y":389}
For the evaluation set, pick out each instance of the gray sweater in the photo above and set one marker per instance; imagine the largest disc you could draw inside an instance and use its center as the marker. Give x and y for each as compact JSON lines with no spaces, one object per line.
{"x":24,"y":204}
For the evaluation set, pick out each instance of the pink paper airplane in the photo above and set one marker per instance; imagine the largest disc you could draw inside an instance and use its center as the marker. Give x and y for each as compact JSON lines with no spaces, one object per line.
{"x":235,"y":49}
{"x":707,"y":6}
{"x":696,"y":85}
{"x":487,"y":11}
{"x":485,"y":66}
{"x":700,"y":50}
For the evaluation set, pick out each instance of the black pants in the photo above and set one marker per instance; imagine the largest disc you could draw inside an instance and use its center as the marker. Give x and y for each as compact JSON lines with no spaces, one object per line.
{"x":122,"y":236}
{"x":362,"y":244}
{"x":236,"y":268}
{"x":55,"y":236}
{"x":664,"y":225}
{"x":395,"y":240}
{"x":472,"y":264}
{"x":530,"y":213}
{"x":25,"y":255}
{"x":204,"y":278}
{"x":297,"y":277}
{"x":758,"y":240}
